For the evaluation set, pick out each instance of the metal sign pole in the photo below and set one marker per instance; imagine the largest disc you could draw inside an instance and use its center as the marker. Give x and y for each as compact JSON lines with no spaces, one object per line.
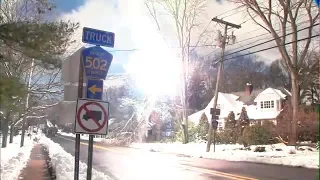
{"x":77,"y":143}
{"x":214,"y":140}
{"x":96,"y":62}
{"x":90,"y":154}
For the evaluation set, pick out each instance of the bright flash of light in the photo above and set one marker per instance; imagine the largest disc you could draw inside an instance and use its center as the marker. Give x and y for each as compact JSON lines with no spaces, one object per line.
{"x":156,"y":67}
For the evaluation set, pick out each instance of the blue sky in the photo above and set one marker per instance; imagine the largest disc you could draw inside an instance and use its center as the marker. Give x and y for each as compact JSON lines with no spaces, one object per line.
{"x":67,"y":6}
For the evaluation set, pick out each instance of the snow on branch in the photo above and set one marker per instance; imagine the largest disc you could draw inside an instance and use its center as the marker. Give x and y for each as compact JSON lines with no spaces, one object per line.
{"x":45,"y":106}
{"x":47,"y":92}
{"x":37,"y":117}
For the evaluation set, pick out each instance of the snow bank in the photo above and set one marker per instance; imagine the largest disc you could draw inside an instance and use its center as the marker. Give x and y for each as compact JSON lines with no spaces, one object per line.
{"x":14,"y":158}
{"x":63,"y":163}
{"x":275,"y":154}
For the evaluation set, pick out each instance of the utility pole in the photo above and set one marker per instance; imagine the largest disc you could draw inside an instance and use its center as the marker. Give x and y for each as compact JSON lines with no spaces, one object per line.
{"x":213,"y":111}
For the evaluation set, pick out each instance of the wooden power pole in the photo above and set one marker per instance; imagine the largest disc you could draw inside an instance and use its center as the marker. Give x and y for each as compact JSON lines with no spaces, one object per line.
{"x":223,"y":40}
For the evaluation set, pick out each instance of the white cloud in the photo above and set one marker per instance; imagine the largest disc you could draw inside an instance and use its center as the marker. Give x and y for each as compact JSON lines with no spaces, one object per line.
{"x":155,"y":63}
{"x":133,"y":30}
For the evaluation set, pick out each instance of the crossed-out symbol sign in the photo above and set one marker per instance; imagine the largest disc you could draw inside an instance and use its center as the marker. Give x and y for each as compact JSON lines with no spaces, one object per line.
{"x":94,"y":113}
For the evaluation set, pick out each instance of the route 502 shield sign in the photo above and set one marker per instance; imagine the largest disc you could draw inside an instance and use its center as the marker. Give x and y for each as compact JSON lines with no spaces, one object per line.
{"x":91,"y":117}
{"x":96,"y":62}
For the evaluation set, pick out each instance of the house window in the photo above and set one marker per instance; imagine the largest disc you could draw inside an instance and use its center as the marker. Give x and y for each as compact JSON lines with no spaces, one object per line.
{"x":266,"y":104}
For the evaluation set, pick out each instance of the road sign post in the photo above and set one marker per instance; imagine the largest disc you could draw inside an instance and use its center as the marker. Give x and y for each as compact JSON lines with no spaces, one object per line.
{"x":77,"y":142}
{"x":215,"y":112}
{"x":92,"y":115}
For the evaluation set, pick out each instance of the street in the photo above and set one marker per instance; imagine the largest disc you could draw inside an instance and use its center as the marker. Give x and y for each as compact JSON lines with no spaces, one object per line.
{"x":128,"y":163}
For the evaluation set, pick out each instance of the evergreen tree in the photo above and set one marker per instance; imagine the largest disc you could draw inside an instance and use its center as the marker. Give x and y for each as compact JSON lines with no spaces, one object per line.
{"x":203,"y":127}
{"x":229,"y":134}
{"x":243,"y":120}
{"x":32,"y":36}
{"x":230,"y":122}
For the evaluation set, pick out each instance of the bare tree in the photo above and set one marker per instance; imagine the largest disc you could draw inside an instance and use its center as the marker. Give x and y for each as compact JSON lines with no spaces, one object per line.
{"x":185,"y":16}
{"x":286,"y":13}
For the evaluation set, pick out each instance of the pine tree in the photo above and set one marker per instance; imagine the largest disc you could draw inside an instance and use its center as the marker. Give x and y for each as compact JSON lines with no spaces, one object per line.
{"x":203,"y":127}
{"x":243,"y":120}
{"x":230,"y":133}
{"x":230,"y":122}
{"x":31,"y":36}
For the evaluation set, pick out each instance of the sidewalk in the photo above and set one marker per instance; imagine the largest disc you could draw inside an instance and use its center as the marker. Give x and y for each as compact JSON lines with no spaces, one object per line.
{"x":36,"y":168}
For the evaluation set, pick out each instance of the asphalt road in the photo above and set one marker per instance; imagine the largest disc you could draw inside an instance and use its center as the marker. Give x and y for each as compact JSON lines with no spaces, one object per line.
{"x":127,"y":163}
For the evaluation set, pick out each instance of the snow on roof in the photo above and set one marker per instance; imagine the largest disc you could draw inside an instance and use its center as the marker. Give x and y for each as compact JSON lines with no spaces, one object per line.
{"x":195,"y":117}
{"x":231,"y":98}
{"x":236,"y":105}
{"x":273,"y":91}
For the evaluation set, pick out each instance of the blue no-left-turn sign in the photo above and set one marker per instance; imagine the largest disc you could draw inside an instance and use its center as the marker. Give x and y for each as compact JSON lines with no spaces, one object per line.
{"x":96,"y":62}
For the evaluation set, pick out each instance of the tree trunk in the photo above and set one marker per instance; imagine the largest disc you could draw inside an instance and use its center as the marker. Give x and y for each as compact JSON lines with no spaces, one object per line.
{"x":11,"y":133}
{"x":184,"y":103}
{"x":185,"y":119}
{"x":5,"y":129}
{"x":24,"y":127}
{"x":295,"y":109}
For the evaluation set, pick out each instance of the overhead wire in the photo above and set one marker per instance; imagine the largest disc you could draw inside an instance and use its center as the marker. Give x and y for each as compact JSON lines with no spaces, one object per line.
{"x":177,"y":47}
{"x":265,"y":49}
{"x":236,"y":8}
{"x":260,"y":35}
{"x":212,"y":45}
{"x":271,"y":40}
{"x":302,"y":22}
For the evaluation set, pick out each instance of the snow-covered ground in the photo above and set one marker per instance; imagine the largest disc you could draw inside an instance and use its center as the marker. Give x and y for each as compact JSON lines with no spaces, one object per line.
{"x":63,"y":163}
{"x":14,"y":158}
{"x":275,"y":154}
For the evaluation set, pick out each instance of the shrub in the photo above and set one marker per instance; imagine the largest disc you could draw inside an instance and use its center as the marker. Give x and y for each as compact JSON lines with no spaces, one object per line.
{"x":192,"y":133}
{"x":227,"y":136}
{"x":260,"y":149}
{"x":308,"y":123}
{"x":256,"y":135}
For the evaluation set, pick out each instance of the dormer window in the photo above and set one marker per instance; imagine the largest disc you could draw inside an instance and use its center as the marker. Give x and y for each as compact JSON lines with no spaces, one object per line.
{"x":266,"y":104}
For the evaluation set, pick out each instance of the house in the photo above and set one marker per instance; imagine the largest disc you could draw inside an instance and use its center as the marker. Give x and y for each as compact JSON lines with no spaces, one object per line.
{"x":260,"y":105}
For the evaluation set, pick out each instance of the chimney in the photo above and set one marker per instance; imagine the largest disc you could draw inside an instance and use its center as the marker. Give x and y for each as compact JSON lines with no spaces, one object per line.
{"x":249,"y":89}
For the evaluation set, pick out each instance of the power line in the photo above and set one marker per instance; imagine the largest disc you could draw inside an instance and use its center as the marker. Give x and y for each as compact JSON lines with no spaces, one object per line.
{"x":214,"y":45}
{"x":238,"y":42}
{"x":272,"y":40}
{"x":233,"y":10}
{"x":178,"y":47}
{"x":302,"y":22}
{"x":254,"y":37}
{"x":272,"y":47}
{"x":241,"y":6}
